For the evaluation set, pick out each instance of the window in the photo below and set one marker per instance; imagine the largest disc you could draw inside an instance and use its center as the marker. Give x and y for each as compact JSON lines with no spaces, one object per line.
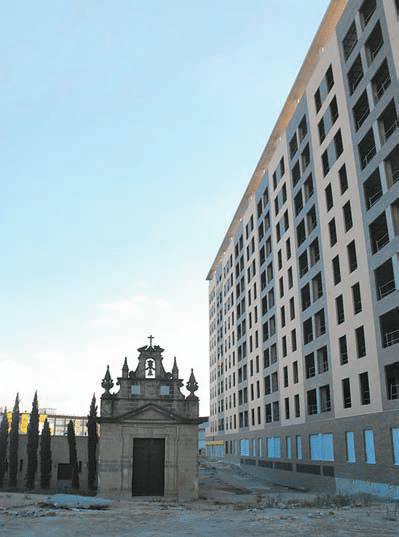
{"x":346,"y":393}
{"x":384,"y":279}
{"x":332,"y":231}
{"x":369,"y":450}
{"x":347,"y":216}
{"x":293,"y":340}
{"x":293,"y":146}
{"x":273,"y":447}
{"x":305,"y":297}
{"x":305,"y":158}
{"x":320,"y":323}
{"x":287,"y":408}
{"x":275,"y":382}
{"x":322,"y":130}
{"x":303,"y":264}
{"x":395,"y":440}
{"x":308,"y":331}
{"x":361,"y":110}
{"x":381,"y":81}
{"x":364,"y":388}
{"x":321,"y":447}
{"x":360,"y":342}
{"x":367,"y":149}
{"x":329,"y":197}
{"x":325,"y":162}
{"x":317,"y":100}
{"x":350,"y":447}
{"x":333,"y":110}
{"x":339,"y":306}
{"x":276,"y":411}
{"x":285,"y":375}
{"x":300,"y":232}
{"x":299,"y":447}
{"x":297,"y":406}
{"x":357,"y":300}
{"x":338,"y":145}
{"x":302,"y":129}
{"x":336,"y":270}
{"x":329,"y":78}
{"x":349,"y":41}
{"x":374,"y":43}
{"x":392,"y":380}
{"x":343,"y":350}
{"x":314,"y":252}
{"x":322,"y":359}
{"x":295,"y":372}
{"x":388,"y":122}
{"x":325,"y":398}
{"x":343,"y":179}
{"x":312,"y":402}
{"x":379,"y":235}
{"x":366,"y":11}
{"x":308,"y":188}
{"x":352,"y":258}
{"x":310,"y":366}
{"x":290,"y":279}
{"x":292,"y":308}
{"x":355,"y":74}
{"x":317,"y":287}
{"x":288,"y":447}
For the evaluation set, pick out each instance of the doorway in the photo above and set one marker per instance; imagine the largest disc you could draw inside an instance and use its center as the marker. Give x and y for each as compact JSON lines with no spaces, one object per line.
{"x":148,"y":467}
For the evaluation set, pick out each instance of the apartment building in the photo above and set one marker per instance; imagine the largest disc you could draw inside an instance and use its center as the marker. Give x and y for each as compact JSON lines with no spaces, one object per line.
{"x":303,"y":292}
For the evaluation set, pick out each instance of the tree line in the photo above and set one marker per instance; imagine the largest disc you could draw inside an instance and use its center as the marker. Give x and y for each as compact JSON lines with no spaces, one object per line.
{"x":9,"y":438}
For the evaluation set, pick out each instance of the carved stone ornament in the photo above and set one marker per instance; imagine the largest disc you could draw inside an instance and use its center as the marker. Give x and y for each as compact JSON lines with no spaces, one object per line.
{"x":192,"y":384}
{"x":107,"y":382}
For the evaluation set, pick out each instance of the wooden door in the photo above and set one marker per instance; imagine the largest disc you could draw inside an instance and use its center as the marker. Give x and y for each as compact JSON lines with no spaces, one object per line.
{"x":148,"y":467}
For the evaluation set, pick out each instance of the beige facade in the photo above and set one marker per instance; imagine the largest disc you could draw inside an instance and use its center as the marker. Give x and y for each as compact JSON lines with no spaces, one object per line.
{"x":303,"y":292}
{"x":149,"y":432}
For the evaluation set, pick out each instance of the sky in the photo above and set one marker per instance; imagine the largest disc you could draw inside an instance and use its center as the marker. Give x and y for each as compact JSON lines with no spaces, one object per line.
{"x":128,"y":133}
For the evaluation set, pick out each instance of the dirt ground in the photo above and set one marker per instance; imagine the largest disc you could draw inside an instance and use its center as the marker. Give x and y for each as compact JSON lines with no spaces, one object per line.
{"x":231,"y":503}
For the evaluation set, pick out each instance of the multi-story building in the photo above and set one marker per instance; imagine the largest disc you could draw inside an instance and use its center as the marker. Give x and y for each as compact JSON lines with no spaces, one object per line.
{"x":303,"y":292}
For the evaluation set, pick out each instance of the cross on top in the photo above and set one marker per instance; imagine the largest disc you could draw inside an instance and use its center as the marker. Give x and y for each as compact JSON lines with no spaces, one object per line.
{"x":150,"y":338}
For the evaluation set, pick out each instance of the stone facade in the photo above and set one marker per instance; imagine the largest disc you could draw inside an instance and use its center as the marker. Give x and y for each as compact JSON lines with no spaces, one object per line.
{"x":149,"y":432}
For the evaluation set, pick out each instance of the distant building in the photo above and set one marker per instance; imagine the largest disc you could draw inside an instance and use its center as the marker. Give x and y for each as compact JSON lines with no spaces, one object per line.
{"x":303,"y":292}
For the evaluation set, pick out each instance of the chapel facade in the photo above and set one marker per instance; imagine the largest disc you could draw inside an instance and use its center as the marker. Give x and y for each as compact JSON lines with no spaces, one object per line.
{"x":149,"y":431}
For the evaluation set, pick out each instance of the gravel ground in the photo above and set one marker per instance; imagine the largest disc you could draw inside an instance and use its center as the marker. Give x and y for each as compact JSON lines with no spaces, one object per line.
{"x":231,"y":504}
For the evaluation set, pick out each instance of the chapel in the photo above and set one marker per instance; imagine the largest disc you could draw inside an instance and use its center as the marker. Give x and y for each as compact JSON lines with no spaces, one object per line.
{"x":149,"y":431}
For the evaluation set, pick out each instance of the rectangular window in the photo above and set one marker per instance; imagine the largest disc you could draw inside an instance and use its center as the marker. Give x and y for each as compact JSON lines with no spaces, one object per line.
{"x":321,"y":447}
{"x":297,"y":406}
{"x":364,"y":389}
{"x":299,"y":447}
{"x":289,"y":449}
{"x":336,"y":270}
{"x":338,"y":145}
{"x":293,"y":340}
{"x":343,"y":179}
{"x":295,"y":372}
{"x":332,"y":231}
{"x":339,"y":305}
{"x":329,"y":197}
{"x":349,"y":41}
{"x":343,"y":350}
{"x":287,"y":408}
{"x":360,"y":342}
{"x":395,"y":445}
{"x":273,"y":447}
{"x":346,"y":393}
{"x":350,"y":447}
{"x":352,"y":257}
{"x":369,"y":450}
{"x":325,"y":162}
{"x":357,"y":299}
{"x":347,"y":216}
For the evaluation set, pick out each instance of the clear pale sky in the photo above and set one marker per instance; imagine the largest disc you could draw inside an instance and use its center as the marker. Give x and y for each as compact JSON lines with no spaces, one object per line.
{"x":128,"y":132}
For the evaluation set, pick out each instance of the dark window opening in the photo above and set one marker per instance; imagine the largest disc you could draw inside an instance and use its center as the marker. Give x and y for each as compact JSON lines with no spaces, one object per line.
{"x":325,"y":398}
{"x":381,"y":81}
{"x":343,"y":350}
{"x":343,"y":179}
{"x":372,"y":189}
{"x":312,"y":402}
{"x":374,"y":43}
{"x":366,"y":11}
{"x":388,"y":122}
{"x":389,"y":324}
{"x":378,"y":230}
{"x":349,"y":41}
{"x":384,"y":279}
{"x":339,"y":306}
{"x":352,"y":257}
{"x":392,"y":380}
{"x":392,"y":167}
{"x":361,"y":110}
{"x":367,"y":149}
{"x":364,"y":389}
{"x":346,"y":393}
{"x":355,"y":74}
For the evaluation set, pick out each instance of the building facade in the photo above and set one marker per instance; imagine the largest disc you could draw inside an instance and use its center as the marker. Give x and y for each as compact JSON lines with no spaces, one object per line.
{"x":303,"y":292}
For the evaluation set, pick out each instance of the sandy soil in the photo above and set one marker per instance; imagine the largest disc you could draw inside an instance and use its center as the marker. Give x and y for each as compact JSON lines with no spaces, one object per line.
{"x":231,"y":503}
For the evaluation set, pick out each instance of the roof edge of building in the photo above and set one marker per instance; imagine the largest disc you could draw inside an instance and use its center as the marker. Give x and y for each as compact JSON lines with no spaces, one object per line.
{"x":321,"y":39}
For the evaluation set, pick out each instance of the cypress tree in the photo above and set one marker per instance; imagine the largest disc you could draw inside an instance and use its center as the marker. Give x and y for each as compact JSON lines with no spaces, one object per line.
{"x":3,"y":446}
{"x":45,"y":456}
{"x":73,"y":456}
{"x":92,"y":440}
{"x":33,"y":443}
{"x":14,"y":440}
